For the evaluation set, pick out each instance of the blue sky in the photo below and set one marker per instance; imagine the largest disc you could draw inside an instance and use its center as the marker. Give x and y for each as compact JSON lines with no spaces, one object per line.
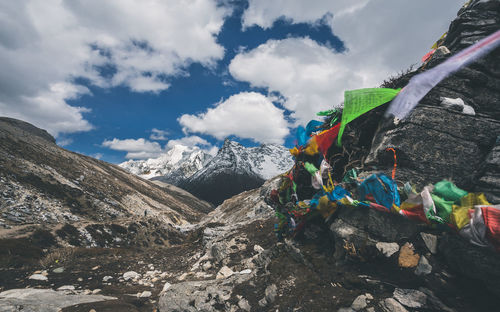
{"x":129,"y":79}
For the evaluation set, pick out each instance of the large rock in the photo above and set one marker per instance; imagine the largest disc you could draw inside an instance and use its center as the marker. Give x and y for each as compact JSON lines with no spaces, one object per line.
{"x":437,"y":142}
{"x":477,"y":263}
{"x":43,"y":300}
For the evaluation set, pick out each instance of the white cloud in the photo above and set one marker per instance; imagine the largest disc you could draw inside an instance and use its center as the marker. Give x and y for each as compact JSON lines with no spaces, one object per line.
{"x":144,"y":149}
{"x":189,"y":141}
{"x":381,"y":38}
{"x":158,"y":135}
{"x":64,"y":141}
{"x":247,"y":115}
{"x":135,"y":148}
{"x":97,"y":155}
{"x":48,"y":43}
{"x":263,"y":12}
{"x":307,"y":74}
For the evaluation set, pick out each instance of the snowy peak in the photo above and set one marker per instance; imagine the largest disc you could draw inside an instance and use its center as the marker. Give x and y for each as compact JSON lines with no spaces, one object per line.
{"x":269,"y":160}
{"x":265,"y":161}
{"x":182,"y":159}
{"x":236,"y":168}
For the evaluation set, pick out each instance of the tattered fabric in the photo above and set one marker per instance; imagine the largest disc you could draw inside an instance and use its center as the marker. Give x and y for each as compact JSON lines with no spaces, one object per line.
{"x":358,"y":102}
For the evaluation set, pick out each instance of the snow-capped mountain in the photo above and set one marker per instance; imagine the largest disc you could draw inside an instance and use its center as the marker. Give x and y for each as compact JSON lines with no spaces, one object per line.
{"x":265,"y":161}
{"x":178,"y":163}
{"x":235,"y":169}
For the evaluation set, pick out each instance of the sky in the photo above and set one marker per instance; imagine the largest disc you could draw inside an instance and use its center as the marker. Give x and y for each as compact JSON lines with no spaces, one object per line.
{"x":129,"y":79}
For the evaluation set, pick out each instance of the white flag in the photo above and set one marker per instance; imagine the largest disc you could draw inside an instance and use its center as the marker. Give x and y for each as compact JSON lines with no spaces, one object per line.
{"x":422,"y":83}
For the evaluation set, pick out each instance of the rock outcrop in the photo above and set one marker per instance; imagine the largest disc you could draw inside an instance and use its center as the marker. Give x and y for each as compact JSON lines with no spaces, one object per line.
{"x":438,"y":141}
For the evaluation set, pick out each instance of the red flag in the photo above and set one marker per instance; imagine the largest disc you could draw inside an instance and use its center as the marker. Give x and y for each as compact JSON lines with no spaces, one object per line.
{"x":491,"y":217}
{"x":326,"y":138}
{"x":427,"y":57}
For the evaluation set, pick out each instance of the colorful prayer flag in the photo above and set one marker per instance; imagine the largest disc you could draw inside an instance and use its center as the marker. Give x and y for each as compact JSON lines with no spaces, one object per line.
{"x":358,"y":102}
{"x":422,"y":83}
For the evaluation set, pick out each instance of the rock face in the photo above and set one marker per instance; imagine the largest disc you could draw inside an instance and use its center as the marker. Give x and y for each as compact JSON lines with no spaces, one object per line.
{"x":177,"y":164}
{"x":94,"y":203}
{"x":236,"y":169}
{"x":437,"y":141}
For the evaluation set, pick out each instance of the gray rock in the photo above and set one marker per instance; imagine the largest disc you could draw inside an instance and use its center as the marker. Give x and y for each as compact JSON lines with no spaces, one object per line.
{"x":434,"y":301}
{"x":166,"y":287}
{"x":224,"y":272}
{"x":219,"y":251}
{"x":206,"y":266}
{"x":410,"y":297}
{"x":359,"y":303}
{"x":145,"y":294}
{"x":364,"y":228}
{"x":66,"y":287}
{"x":271,"y":293}
{"x":43,"y":300}
{"x":423,"y":267}
{"x":391,"y":305}
{"x":58,"y":270}
{"x":131,"y":275}
{"x":461,"y":256}
{"x":388,"y":249}
{"x":345,"y":310}
{"x":258,"y":248}
{"x":431,"y":241}
{"x":262,"y":302}
{"x":107,"y":278}
{"x":441,"y":51}
{"x":244,"y":305}
{"x":38,"y":277}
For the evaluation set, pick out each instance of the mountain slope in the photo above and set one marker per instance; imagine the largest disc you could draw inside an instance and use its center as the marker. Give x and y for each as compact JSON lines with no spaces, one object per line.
{"x":42,"y":183}
{"x":235,"y":169}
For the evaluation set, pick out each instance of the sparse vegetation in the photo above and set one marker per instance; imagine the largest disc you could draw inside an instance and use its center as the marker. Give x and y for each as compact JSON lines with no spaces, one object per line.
{"x":401,"y":79}
{"x":58,"y":256}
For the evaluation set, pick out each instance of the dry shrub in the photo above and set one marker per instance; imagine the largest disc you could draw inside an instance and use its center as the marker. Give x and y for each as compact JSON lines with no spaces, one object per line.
{"x":58,"y":256}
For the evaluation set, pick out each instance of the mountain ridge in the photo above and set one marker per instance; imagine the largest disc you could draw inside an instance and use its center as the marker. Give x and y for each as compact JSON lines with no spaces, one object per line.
{"x":235,"y":169}
{"x":44,"y":184}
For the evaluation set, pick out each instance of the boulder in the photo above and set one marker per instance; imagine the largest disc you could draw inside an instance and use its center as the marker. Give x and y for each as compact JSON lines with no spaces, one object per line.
{"x":474,"y":262}
{"x":423,"y":267}
{"x":391,"y":305}
{"x":43,"y":300}
{"x":410,"y":297}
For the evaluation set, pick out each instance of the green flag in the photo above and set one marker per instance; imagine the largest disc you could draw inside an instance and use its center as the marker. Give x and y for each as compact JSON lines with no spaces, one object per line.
{"x":358,"y":102}
{"x":327,"y":112}
{"x":310,"y":168}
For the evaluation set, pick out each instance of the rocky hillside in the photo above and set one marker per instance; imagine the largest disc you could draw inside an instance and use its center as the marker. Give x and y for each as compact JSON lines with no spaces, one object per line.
{"x":84,"y":201}
{"x":235,"y":169}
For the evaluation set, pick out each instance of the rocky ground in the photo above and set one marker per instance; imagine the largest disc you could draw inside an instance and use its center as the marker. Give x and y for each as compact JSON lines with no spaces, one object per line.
{"x":232,"y":261}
